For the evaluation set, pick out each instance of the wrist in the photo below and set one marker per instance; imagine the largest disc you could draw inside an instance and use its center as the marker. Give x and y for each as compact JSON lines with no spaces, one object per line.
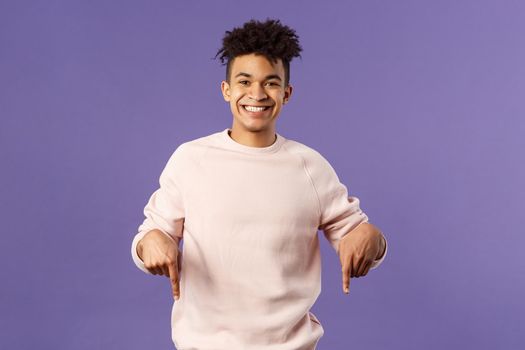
{"x":159,"y":233}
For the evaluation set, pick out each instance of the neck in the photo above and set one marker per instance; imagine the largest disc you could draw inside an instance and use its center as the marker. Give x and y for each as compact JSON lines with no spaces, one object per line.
{"x":253,"y":139}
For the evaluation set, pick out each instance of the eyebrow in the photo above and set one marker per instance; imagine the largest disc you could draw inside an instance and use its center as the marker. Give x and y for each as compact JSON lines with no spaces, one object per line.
{"x":268,"y":77}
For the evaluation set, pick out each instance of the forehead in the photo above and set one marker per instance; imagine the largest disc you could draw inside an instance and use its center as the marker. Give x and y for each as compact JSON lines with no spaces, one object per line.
{"x":256,"y":65}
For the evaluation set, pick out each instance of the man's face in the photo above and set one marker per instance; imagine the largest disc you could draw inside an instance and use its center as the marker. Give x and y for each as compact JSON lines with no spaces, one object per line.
{"x":255,"y":82}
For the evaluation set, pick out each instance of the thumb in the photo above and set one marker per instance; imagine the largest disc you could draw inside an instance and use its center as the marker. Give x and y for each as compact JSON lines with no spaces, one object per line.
{"x":179,"y":260}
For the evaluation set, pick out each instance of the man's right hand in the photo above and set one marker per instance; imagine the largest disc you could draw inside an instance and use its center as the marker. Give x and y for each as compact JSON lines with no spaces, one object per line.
{"x":161,"y":256}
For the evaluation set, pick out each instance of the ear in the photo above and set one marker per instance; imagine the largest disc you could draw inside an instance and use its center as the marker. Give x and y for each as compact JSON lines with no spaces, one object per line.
{"x":226,"y":92}
{"x":287,"y":93}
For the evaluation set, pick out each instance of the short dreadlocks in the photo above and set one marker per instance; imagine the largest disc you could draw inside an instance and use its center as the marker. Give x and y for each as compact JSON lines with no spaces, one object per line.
{"x":269,"y":38}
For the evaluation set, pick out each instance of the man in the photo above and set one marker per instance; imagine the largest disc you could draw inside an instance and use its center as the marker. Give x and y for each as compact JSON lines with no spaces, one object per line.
{"x":248,"y":203}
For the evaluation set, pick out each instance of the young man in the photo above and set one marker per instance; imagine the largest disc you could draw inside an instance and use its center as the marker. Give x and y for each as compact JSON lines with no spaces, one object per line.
{"x":248,"y":203}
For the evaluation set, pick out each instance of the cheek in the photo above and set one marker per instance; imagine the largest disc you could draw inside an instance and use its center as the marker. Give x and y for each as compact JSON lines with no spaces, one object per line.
{"x":278,"y":96}
{"x":235,"y":97}
{"x":236,"y":91}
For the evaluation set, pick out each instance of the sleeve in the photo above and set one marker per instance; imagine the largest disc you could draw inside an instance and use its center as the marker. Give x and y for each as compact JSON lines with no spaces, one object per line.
{"x":339,"y":212}
{"x":164,"y":210}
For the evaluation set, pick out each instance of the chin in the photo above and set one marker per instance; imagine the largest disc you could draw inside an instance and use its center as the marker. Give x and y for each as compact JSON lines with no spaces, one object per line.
{"x":255,"y":128}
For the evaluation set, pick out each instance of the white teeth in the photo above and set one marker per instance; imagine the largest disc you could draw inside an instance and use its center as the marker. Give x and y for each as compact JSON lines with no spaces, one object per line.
{"x":254,"y":109}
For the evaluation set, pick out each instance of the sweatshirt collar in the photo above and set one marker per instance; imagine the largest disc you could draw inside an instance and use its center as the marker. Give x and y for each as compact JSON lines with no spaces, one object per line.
{"x":232,"y":144}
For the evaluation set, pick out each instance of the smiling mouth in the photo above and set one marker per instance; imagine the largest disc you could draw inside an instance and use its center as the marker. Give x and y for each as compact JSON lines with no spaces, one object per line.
{"x":255,"y":109}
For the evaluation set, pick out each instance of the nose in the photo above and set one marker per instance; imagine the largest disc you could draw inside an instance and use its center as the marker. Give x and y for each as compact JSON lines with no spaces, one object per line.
{"x":257,"y":92}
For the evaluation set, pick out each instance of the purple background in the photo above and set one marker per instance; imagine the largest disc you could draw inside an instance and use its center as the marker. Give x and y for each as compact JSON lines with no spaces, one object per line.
{"x":418,"y":106}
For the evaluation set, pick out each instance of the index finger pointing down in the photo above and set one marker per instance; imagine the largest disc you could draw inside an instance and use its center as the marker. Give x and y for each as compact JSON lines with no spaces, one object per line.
{"x":174,"y":278}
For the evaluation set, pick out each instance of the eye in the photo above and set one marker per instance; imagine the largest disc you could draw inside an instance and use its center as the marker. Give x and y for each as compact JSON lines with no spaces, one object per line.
{"x":273,"y":83}
{"x":243,"y":82}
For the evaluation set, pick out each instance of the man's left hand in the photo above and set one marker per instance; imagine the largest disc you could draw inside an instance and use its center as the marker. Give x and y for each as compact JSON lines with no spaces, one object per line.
{"x":357,"y":251}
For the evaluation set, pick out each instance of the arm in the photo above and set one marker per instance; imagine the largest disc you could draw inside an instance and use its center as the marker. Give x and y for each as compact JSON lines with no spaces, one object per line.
{"x":164,"y":211}
{"x":155,"y":248}
{"x":358,"y":243}
{"x":339,"y":213}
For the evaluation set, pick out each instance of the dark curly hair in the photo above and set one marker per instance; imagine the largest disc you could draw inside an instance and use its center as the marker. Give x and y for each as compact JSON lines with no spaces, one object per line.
{"x":270,"y":38}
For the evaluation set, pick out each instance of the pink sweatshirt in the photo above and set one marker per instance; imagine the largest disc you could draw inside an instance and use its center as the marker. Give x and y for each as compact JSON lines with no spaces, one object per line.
{"x":251,"y":263}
